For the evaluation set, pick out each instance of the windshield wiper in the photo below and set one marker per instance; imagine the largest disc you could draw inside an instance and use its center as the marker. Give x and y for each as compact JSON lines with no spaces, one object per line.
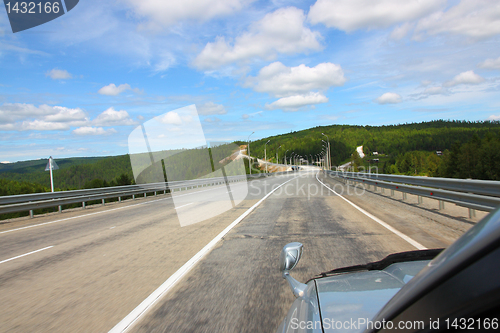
{"x":386,"y":262}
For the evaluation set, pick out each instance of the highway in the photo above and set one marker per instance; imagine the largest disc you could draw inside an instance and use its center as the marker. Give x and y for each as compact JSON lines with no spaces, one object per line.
{"x":87,"y":270}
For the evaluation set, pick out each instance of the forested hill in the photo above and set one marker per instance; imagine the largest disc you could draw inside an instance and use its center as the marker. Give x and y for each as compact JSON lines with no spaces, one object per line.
{"x":391,"y":140}
{"x":73,"y":173}
{"x":409,"y":147}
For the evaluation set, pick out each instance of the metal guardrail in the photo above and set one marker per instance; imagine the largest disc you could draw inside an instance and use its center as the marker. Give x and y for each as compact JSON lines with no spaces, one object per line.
{"x":474,"y":194}
{"x":30,"y":202}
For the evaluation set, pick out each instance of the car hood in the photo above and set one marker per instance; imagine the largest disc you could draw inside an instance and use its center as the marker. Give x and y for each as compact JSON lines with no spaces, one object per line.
{"x":348,"y":301}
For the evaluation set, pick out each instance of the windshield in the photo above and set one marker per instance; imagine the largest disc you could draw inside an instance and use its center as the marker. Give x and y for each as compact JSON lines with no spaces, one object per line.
{"x":156,"y":156}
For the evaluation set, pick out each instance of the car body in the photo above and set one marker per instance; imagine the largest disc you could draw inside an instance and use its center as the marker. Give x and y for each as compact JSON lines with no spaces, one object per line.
{"x":427,"y":290}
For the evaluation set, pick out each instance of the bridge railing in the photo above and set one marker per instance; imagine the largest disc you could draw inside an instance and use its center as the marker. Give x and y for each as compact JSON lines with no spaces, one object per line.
{"x":474,"y":194}
{"x":30,"y":202}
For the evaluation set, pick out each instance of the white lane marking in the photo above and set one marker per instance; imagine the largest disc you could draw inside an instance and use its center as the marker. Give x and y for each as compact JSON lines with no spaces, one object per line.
{"x":376,"y":219}
{"x":26,"y":254}
{"x":109,"y":210}
{"x":184,"y":205}
{"x":113,"y":227}
{"x":142,"y":308}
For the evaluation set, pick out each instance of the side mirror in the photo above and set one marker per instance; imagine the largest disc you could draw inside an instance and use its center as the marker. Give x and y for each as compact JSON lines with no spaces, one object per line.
{"x":289,"y":257}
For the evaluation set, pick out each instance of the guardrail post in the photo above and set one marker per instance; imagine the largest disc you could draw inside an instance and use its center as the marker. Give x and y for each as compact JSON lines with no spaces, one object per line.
{"x":420,"y":200}
{"x":60,"y":209}
{"x":382,"y":190}
{"x":119,"y":199}
{"x":404,"y":195}
{"x":441,"y":204}
{"x":144,"y":195}
{"x":133,"y":196}
{"x":472,"y":213}
{"x":155,"y":193}
{"x":31,"y":213}
{"x":392,"y":192}
{"x":83,"y":205}
{"x":102,"y":201}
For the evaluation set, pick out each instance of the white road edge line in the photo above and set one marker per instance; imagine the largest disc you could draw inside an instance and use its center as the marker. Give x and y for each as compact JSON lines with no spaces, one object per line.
{"x":26,"y":254}
{"x":106,"y":211}
{"x":376,"y":219}
{"x":142,"y":308}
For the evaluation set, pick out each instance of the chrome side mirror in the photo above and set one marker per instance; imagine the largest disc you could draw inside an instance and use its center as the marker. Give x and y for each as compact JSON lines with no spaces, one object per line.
{"x":289,"y":257}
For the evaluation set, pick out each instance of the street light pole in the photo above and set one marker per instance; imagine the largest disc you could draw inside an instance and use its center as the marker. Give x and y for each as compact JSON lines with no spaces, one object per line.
{"x":265,"y":153}
{"x":285,"y":155}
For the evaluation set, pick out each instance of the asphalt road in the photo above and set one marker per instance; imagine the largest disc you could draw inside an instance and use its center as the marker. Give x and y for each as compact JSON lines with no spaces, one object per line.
{"x":95,"y":266}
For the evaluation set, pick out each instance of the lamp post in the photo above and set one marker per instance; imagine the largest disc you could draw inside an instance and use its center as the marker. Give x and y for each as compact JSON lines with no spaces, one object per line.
{"x":285,"y":155}
{"x":328,"y":152}
{"x":248,"y":151}
{"x":265,"y":153}
{"x":277,"y":155}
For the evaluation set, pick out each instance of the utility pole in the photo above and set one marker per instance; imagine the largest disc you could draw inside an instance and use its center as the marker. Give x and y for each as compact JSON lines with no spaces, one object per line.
{"x":51,"y":165}
{"x":328,"y":152}
{"x":265,"y":153}
{"x":248,"y":152}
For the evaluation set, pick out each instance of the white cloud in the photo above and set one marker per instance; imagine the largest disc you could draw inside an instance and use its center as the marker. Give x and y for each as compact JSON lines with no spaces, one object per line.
{"x":490,"y":64}
{"x":210,"y":108}
{"x":468,"y":77}
{"x":22,"y":117}
{"x":111,"y":117}
{"x":473,"y":18}
{"x":281,"y":31}
{"x":172,"y":118}
{"x":212,"y":120}
{"x":389,"y":98}
{"x":88,"y":130}
{"x":167,"y":13}
{"x":350,"y":15}
{"x":113,"y":90}
{"x":282,"y":81}
{"x":401,"y":31}
{"x":293,"y":103}
{"x":494,"y":117}
{"x":42,"y":125}
{"x":58,"y":74}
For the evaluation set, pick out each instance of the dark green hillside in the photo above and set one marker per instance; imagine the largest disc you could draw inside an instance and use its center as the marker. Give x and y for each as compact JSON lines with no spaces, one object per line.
{"x":389,"y":140}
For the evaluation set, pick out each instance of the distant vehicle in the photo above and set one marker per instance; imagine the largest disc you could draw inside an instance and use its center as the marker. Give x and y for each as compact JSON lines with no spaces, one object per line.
{"x":426,"y":290}
{"x":295,"y":168}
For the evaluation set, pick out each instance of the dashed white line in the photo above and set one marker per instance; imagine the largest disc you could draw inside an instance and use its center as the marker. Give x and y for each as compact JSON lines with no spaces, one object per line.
{"x":26,"y":254}
{"x":184,"y":205}
{"x":376,"y":219}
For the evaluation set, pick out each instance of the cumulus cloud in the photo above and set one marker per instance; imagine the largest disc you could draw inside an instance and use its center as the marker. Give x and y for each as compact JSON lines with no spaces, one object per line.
{"x":111,"y":117}
{"x":18,"y":116}
{"x":468,"y":77}
{"x":293,"y":103}
{"x":58,"y":74}
{"x":495,"y":117}
{"x":113,"y":90}
{"x":282,"y":81}
{"x":210,"y":108}
{"x":490,"y":64}
{"x":167,"y":13}
{"x":88,"y":130}
{"x":171,"y":118}
{"x":477,"y":19}
{"x":281,"y":31}
{"x":350,"y":15}
{"x":388,"y":98}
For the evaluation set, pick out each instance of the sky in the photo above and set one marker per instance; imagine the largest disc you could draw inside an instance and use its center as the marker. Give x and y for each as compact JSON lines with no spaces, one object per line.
{"x":80,"y":84}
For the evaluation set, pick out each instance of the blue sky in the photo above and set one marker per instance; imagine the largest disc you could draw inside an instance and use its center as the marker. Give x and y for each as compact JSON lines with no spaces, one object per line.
{"x":79,"y":85}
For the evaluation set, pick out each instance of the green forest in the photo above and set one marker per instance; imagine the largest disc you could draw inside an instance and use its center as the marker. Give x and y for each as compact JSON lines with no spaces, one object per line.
{"x":469,"y":150}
